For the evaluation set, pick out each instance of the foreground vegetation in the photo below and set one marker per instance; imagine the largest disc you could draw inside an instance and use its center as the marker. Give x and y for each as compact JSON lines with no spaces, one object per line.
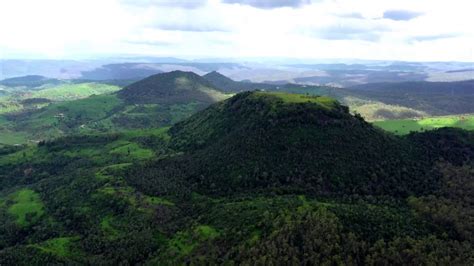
{"x":258,"y":179}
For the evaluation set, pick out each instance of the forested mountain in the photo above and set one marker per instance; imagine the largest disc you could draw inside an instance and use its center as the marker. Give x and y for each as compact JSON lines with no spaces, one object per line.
{"x":295,"y":142}
{"x":260,"y":178}
{"x":30,"y":81}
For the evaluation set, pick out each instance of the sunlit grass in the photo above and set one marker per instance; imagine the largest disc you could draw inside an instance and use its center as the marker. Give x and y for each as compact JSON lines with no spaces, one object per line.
{"x":27,"y":207}
{"x":405,"y":126}
{"x":324,"y":101}
{"x":66,"y":92}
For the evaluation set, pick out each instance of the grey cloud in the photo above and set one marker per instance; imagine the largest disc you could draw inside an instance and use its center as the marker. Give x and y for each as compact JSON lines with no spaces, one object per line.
{"x":186,"y":4}
{"x":425,"y":38}
{"x":344,"y":32}
{"x":269,"y":4}
{"x":401,"y":14}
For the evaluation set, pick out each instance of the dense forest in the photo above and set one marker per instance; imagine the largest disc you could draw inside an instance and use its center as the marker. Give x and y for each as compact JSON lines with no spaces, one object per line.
{"x":262,"y":178}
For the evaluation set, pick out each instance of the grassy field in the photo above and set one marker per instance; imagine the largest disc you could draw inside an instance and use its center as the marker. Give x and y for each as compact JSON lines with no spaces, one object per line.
{"x":405,"y":126}
{"x":12,"y":138}
{"x":68,"y":92}
{"x":59,"y":246}
{"x":27,"y":207}
{"x":8,"y":106}
{"x":324,"y":101}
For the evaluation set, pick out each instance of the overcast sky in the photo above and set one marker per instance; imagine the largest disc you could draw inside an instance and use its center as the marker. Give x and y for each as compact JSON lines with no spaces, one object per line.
{"x":416,"y":30}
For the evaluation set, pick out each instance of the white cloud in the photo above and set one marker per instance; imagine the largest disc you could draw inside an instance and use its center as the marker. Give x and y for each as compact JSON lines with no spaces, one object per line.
{"x":199,"y":28}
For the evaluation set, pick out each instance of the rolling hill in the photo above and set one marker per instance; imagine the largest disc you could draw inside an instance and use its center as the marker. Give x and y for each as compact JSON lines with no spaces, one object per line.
{"x":159,"y":100}
{"x":30,"y":81}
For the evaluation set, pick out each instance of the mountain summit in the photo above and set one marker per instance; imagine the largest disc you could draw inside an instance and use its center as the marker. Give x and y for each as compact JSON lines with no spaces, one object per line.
{"x":174,"y":87}
{"x":223,"y":82}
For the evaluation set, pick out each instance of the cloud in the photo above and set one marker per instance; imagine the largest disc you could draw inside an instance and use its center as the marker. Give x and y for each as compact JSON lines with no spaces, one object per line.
{"x":191,"y":27}
{"x":186,"y":4}
{"x":355,"y":15}
{"x":424,"y":38}
{"x":351,"y":32}
{"x":399,"y":15}
{"x":150,"y":42}
{"x":269,"y":4}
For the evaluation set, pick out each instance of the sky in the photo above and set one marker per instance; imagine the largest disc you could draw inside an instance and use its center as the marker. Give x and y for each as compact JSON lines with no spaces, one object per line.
{"x":409,"y":30}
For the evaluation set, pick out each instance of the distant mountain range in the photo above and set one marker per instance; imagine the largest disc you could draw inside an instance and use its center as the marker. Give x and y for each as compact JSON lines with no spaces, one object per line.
{"x":435,"y":98}
{"x":165,"y":98}
{"x":336,"y":72}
